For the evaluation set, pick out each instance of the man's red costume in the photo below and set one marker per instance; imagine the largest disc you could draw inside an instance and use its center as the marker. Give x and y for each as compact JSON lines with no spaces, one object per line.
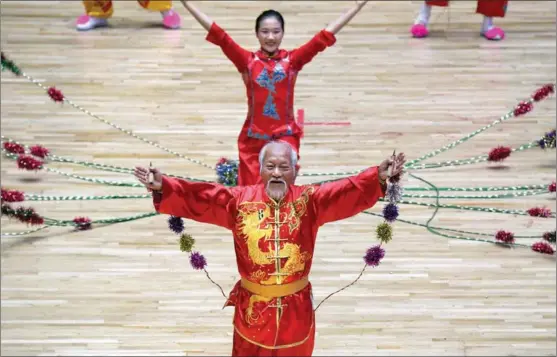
{"x":270,"y":83}
{"x":274,"y":244}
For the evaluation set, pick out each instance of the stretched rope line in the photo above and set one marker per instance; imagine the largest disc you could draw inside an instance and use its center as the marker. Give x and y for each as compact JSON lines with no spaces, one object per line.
{"x":125,"y":131}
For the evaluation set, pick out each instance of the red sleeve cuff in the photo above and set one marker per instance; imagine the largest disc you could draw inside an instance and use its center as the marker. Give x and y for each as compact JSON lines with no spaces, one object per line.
{"x":368,"y":182}
{"x":216,"y":34}
{"x":327,"y":37}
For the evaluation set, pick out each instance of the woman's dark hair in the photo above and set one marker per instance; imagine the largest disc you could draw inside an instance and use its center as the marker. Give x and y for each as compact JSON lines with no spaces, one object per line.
{"x":265,"y":15}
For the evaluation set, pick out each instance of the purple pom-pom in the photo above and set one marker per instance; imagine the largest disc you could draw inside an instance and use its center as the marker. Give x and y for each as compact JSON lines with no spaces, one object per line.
{"x":390,"y":212}
{"x":176,"y":224}
{"x":394,"y":193}
{"x":197,"y":261}
{"x":374,"y":255}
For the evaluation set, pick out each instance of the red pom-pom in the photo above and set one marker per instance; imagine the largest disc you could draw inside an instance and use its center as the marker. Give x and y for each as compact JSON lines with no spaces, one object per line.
{"x":551,"y":187}
{"x":28,"y":215}
{"x":12,"y":196}
{"x":499,"y":153}
{"x":523,"y":108}
{"x":82,"y":223}
{"x":505,"y":237}
{"x":14,"y":148}
{"x":29,"y":163}
{"x":543,"y":247}
{"x":39,"y":151}
{"x":543,"y":92}
{"x":55,"y":94}
{"x":539,"y":212}
{"x":222,"y":161}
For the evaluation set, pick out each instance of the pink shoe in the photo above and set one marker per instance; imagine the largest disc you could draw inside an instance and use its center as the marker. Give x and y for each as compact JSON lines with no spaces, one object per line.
{"x":171,"y":19}
{"x":86,"y":22}
{"x":494,"y":34}
{"x":419,"y":30}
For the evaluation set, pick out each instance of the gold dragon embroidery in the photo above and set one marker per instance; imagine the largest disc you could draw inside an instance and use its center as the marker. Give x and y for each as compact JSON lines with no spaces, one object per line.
{"x":256,"y":224}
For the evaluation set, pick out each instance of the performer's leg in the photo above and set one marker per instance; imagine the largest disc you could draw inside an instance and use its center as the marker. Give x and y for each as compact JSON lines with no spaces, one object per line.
{"x":248,"y":168}
{"x":96,"y":14}
{"x":170,"y":18}
{"x":419,"y":29}
{"x":491,"y":9}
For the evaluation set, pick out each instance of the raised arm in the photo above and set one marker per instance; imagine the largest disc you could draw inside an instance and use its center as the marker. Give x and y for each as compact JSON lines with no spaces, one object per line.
{"x":336,"y":26}
{"x":201,"y":17}
{"x":347,"y":197}
{"x":203,"y":202}
{"x":216,"y":35}
{"x":323,"y":39}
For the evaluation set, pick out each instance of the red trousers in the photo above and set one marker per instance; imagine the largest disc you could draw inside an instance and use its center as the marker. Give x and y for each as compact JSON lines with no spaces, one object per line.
{"x":241,"y":347}
{"x":248,"y":168}
{"x":489,"y":8}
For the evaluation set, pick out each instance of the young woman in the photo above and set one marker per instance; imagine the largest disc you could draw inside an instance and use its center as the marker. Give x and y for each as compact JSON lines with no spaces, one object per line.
{"x":269,"y":75}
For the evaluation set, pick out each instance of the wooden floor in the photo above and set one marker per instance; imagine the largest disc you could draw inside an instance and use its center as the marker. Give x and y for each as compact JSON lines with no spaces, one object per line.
{"x":127,"y":289}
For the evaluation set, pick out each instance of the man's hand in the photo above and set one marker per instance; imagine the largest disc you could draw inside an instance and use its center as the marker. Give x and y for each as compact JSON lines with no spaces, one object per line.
{"x":396,"y":162}
{"x":142,"y":174}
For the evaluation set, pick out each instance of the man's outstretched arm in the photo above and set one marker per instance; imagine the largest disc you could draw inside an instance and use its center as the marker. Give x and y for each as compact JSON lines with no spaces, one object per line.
{"x":204,"y":202}
{"x":347,"y":197}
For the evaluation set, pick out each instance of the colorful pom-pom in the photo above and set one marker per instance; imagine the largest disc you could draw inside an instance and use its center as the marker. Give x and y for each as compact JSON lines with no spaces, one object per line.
{"x":26,"y":162}
{"x":523,"y":108}
{"x":198,"y":261}
{"x":539,"y":212}
{"x":499,"y":153}
{"x":10,"y":65}
{"x":14,"y":148}
{"x":504,"y":237}
{"x":227,"y":172}
{"x":543,"y":92}
{"x":390,"y":212}
{"x":384,"y":232}
{"x":176,"y":224}
{"x":39,"y":151}
{"x":551,"y":187}
{"x":7,"y":210}
{"x":55,"y":94}
{"x":186,"y":242}
{"x":549,"y":237}
{"x":394,"y":193}
{"x":28,"y":215}
{"x":374,"y":255}
{"x":543,"y":247}
{"x":548,"y":140}
{"x":82,"y":223}
{"x":12,"y":196}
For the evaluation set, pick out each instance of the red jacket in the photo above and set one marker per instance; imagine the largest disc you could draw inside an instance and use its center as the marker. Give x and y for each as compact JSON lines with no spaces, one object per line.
{"x":274,"y":243}
{"x":270,"y":82}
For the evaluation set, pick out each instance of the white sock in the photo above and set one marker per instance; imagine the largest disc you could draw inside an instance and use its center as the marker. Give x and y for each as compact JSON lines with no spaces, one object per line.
{"x":487,"y":24}
{"x":423,"y":16}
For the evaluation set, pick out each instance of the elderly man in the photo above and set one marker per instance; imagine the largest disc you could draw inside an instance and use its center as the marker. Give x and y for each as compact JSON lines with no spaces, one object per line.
{"x":274,"y":225}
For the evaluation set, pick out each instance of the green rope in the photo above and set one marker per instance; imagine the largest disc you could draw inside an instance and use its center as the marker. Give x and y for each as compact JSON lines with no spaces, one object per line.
{"x":434,"y":231}
{"x":57,"y":222}
{"x":469,"y":161}
{"x":30,"y":197}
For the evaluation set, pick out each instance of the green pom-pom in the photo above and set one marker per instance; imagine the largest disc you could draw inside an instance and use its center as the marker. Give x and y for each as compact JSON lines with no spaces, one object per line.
{"x":9,"y":65}
{"x":186,"y":242}
{"x":384,"y":232}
